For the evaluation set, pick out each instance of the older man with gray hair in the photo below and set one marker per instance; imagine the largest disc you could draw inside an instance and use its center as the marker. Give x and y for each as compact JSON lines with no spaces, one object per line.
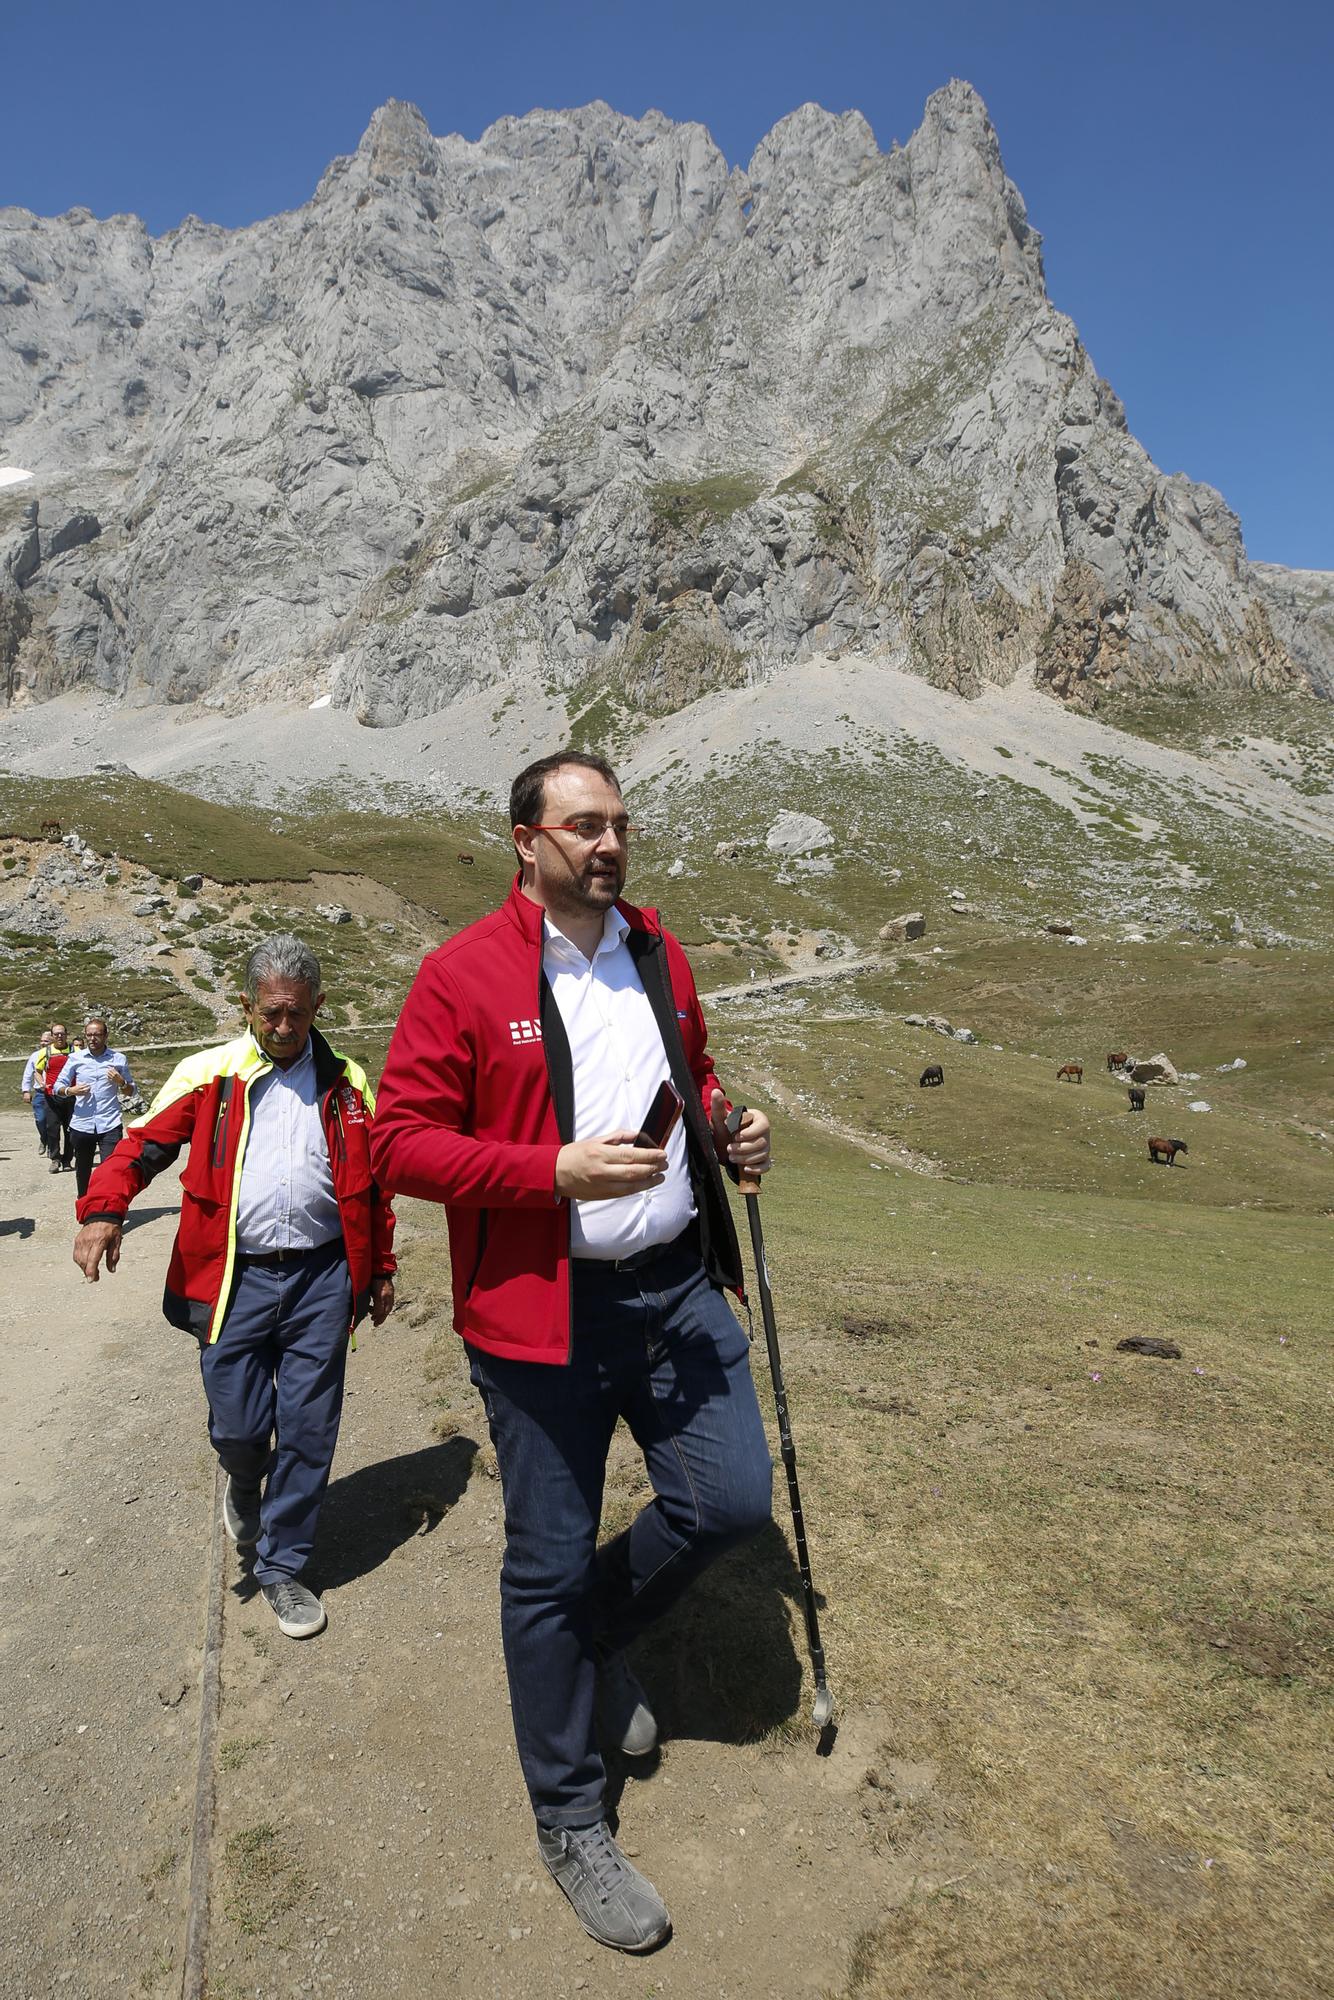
{"x":284,"y":1243}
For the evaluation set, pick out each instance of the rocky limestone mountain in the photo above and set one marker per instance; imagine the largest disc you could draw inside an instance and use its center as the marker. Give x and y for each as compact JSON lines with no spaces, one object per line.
{"x":579,"y":403}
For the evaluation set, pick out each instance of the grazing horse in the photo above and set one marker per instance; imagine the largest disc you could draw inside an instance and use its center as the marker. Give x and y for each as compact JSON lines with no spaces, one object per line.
{"x":1071,"y":1072}
{"x":51,"y":830}
{"x":931,"y":1075}
{"x":1136,"y":1096}
{"x":465,"y":861}
{"x":1116,"y":1060}
{"x":1163,"y":1152}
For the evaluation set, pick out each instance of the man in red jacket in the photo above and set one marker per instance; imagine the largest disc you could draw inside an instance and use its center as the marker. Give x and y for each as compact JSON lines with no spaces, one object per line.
{"x":284,"y":1242}
{"x":587,"y":1279}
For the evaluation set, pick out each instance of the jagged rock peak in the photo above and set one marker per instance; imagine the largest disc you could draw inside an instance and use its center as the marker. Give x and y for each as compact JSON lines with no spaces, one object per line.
{"x":398,"y":140}
{"x":836,"y":148}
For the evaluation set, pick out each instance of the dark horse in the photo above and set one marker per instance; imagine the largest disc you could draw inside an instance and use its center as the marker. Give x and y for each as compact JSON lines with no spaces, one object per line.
{"x":1136,"y":1096}
{"x":932,"y":1074}
{"x":1163,"y":1152}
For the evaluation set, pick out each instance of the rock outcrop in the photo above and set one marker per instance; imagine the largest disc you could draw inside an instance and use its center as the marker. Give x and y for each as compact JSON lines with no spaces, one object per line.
{"x":578,"y":401}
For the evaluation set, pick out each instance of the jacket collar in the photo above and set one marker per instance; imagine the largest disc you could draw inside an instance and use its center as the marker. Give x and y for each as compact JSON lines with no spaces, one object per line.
{"x":329,"y":1065}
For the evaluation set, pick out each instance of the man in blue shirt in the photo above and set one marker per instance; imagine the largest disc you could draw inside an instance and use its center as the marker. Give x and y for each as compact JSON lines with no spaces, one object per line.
{"x":96,"y":1077}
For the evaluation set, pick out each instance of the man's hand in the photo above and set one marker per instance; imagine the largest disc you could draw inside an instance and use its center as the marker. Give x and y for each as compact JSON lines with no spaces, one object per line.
{"x":382,"y":1300}
{"x":750,"y":1149}
{"x":601,"y":1169}
{"x":93,"y":1242}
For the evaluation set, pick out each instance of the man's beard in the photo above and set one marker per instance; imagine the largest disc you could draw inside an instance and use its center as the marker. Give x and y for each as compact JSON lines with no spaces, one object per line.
{"x":591,"y":889}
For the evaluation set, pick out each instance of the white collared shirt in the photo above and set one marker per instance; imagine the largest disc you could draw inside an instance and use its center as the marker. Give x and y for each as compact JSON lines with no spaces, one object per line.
{"x":619,"y":1061}
{"x":287,"y":1199}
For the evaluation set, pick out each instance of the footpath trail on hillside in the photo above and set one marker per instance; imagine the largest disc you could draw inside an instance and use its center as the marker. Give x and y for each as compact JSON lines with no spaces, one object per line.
{"x":371,"y":1834}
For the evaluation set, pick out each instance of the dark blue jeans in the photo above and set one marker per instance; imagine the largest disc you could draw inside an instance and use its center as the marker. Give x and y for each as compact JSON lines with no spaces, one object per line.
{"x":661,"y":1348}
{"x":274,"y":1381}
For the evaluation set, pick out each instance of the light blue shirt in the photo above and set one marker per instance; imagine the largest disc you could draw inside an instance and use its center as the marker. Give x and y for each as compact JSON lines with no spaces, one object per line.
{"x":100,"y":1110}
{"x":287,"y":1199}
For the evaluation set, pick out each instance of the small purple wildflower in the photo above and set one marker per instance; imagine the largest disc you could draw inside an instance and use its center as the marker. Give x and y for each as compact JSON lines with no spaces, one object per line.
{"x":1094,"y":1375}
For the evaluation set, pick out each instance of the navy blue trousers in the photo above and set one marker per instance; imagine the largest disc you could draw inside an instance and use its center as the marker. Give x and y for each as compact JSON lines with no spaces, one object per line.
{"x":662,"y":1349}
{"x":274,"y":1382}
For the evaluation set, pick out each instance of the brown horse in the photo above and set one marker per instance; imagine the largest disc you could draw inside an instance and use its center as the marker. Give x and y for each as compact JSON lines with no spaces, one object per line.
{"x":1071,"y":1072}
{"x":1117,"y":1059}
{"x":1163,"y":1152}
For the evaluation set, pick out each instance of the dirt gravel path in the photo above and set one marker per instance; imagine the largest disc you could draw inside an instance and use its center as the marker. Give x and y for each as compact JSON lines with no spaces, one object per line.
{"x":371,"y":1834}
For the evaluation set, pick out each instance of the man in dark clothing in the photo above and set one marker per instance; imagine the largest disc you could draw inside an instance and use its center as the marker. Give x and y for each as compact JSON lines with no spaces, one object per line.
{"x":588,"y":1273}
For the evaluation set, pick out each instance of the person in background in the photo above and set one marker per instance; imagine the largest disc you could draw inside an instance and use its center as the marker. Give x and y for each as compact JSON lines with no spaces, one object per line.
{"x":33,"y":1088}
{"x":284,"y":1243}
{"x":59,"y":1109}
{"x":96,"y":1078}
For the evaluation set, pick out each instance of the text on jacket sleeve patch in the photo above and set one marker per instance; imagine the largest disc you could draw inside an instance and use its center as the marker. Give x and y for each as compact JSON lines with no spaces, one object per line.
{"x":525,"y":1031}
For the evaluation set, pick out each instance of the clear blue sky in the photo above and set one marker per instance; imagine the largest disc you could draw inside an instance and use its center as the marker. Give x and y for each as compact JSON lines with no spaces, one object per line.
{"x":1176,"y":156}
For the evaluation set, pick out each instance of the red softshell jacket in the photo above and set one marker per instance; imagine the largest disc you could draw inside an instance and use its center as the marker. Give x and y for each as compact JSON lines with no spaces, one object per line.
{"x":205,"y":1102}
{"x":477,"y":1099}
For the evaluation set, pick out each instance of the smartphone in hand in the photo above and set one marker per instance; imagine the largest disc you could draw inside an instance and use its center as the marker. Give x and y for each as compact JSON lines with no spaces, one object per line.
{"x":660,"y":1119}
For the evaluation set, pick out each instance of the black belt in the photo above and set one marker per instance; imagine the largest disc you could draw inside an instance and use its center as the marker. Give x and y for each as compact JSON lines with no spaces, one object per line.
{"x":687,"y":1240}
{"x":291,"y":1255}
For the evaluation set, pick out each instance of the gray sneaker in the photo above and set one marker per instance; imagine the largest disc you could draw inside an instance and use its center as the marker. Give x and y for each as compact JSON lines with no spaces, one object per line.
{"x":240,"y":1513}
{"x":630,"y":1722}
{"x":298,"y":1611}
{"x":612,"y":1900}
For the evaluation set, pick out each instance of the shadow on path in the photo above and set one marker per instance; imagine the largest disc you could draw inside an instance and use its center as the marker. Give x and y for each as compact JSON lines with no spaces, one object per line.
{"x":373,"y":1511}
{"x":727,"y":1664}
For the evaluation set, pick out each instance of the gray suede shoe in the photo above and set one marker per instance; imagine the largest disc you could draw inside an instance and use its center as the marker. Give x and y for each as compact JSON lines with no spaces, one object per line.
{"x":630,"y":1722}
{"x":612,"y":1900}
{"x":298,"y":1611}
{"x":240,"y":1513}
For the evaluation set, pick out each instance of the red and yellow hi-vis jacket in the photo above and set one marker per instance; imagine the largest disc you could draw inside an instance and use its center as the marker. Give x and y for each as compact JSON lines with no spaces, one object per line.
{"x":206,"y":1101}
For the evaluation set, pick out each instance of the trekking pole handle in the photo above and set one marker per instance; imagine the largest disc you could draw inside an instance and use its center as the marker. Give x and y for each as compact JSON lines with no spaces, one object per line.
{"x":746,"y":1179}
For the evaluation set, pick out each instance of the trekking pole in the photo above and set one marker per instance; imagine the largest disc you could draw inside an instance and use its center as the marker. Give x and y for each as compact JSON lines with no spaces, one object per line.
{"x":822,"y":1712}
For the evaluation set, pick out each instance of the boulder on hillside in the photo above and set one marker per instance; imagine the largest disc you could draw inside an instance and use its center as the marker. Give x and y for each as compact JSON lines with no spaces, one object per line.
{"x":75,"y":532}
{"x":899,"y":929}
{"x":798,"y":833}
{"x":333,"y":913}
{"x":1155,"y":1069}
{"x":192,"y":883}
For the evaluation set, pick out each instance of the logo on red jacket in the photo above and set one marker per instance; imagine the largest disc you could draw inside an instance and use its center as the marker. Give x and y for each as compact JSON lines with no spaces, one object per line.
{"x":353,"y":1110}
{"x":525,"y":1031}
